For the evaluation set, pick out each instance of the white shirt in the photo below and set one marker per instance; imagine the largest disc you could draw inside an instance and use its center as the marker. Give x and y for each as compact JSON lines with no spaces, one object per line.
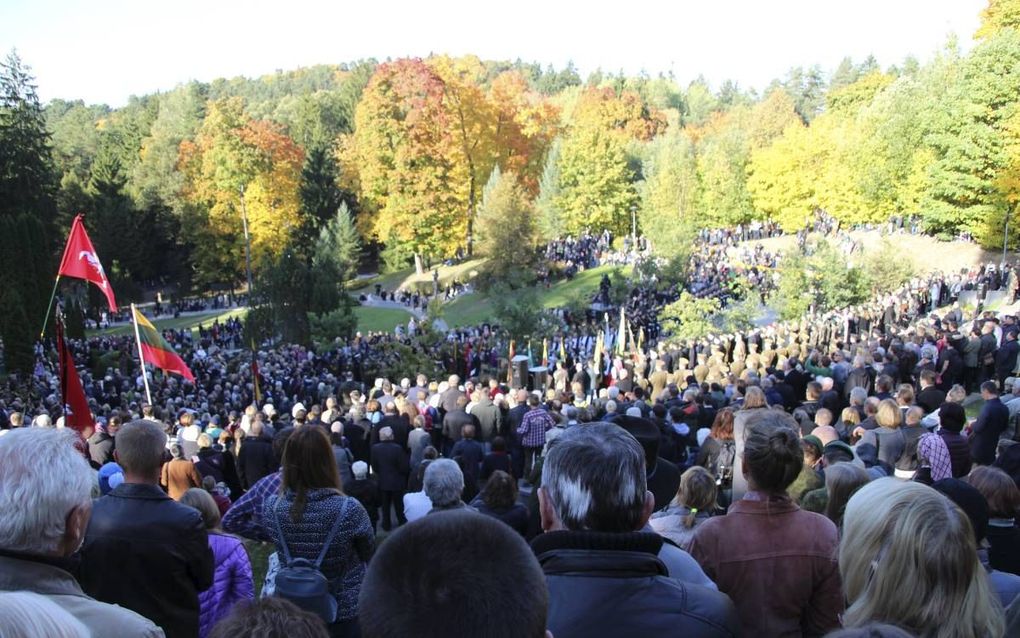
{"x":416,"y":505}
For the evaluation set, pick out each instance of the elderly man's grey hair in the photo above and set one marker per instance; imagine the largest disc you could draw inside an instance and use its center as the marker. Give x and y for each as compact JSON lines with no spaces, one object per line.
{"x":858,"y":396}
{"x":42,"y":478}
{"x":444,"y":482}
{"x":594,"y":479}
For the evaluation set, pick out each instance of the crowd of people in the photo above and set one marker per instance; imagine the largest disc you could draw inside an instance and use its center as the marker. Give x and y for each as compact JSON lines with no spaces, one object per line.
{"x":783,"y":481}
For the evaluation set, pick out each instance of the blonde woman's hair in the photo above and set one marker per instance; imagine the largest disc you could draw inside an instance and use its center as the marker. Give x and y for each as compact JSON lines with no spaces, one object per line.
{"x":754,"y":397}
{"x":908,"y":557}
{"x":850,"y":415}
{"x":889,"y":415}
{"x":697,"y":492}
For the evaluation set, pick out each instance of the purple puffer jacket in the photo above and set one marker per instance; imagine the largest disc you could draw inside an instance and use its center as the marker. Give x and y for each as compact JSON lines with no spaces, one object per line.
{"x":232,"y":581}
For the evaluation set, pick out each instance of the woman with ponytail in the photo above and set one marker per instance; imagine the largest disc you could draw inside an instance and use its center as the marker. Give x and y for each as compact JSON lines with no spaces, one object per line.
{"x":776,"y":562}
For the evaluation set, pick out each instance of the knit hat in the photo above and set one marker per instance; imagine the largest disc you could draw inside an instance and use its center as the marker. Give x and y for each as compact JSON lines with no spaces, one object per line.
{"x":360,"y":469}
{"x":110,"y":476}
{"x":815,"y":442}
{"x":970,"y":500}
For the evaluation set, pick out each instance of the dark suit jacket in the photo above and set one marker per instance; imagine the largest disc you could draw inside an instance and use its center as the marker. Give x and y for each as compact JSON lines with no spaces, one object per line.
{"x":513,"y":421}
{"x":148,"y":553}
{"x":255,"y":460}
{"x":453,"y":423}
{"x":992,"y":422}
{"x":401,"y":428}
{"x":930,"y":399}
{"x":391,"y":466}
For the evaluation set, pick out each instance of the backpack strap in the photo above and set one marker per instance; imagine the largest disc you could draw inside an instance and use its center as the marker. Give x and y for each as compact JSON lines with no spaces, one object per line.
{"x":279,"y":534}
{"x":333,"y":531}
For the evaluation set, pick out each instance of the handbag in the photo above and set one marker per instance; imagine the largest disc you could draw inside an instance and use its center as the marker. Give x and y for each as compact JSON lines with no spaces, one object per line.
{"x":301,"y":581}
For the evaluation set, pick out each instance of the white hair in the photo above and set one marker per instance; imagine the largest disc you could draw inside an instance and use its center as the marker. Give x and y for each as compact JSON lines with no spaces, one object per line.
{"x":42,"y":478}
{"x":25,"y":614}
{"x":443,"y":482}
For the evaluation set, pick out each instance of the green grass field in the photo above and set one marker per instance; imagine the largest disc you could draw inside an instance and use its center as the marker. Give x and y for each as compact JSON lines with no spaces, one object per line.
{"x":467,"y":310}
{"x":473,"y":309}
{"x":191,"y":322}
{"x":380,"y":319}
{"x":407,"y":277}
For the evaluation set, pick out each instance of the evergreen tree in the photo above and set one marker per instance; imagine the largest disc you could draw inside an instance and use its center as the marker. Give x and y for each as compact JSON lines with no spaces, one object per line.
{"x":550,"y":217}
{"x":320,"y":195}
{"x":27,"y":212}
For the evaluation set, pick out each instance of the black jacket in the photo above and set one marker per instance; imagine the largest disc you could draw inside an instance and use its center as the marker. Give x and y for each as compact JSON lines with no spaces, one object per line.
{"x":401,"y":428}
{"x":146,"y":552}
{"x":101,"y":448}
{"x":454,"y":422}
{"x":930,"y":399}
{"x":608,"y":585}
{"x":391,"y":466}
{"x":993,"y":421}
{"x":255,"y":460}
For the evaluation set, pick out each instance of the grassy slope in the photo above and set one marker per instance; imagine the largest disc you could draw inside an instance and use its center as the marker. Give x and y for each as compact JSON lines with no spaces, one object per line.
{"x":380,"y":319}
{"x":475,"y":308}
{"x":393,"y":281}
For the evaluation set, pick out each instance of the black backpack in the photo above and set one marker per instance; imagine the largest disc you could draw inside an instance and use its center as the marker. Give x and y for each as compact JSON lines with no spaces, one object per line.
{"x":301,"y":581}
{"x":724,"y":463}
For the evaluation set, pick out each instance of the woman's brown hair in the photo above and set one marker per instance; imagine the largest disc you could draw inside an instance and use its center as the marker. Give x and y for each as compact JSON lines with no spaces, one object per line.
{"x":500,"y":491}
{"x":308,"y":464}
{"x":722,"y":426}
{"x":998,"y":489}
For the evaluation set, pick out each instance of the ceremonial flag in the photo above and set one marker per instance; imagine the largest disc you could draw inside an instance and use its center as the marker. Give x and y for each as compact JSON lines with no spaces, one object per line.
{"x":545,"y":352}
{"x":154,"y":349}
{"x":510,"y":363}
{"x":77,"y":415}
{"x":81,"y":262}
{"x":621,"y":334}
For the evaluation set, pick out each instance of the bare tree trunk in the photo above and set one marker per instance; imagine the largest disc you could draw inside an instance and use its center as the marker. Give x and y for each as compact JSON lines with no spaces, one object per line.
{"x":419,"y":265}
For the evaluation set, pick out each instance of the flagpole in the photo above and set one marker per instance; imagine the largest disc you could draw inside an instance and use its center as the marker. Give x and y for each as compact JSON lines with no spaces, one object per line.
{"x":141,"y":357}
{"x":49,"y":308}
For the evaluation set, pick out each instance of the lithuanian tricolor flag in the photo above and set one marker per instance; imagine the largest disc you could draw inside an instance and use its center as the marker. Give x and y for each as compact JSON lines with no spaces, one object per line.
{"x":154,"y":349}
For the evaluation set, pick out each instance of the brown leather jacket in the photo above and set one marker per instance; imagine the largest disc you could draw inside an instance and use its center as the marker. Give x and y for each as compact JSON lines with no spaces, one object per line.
{"x":178,"y":476}
{"x":777,"y":563}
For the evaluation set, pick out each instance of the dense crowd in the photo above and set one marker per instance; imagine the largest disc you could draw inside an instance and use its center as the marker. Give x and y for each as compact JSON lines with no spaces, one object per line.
{"x":783,"y":481}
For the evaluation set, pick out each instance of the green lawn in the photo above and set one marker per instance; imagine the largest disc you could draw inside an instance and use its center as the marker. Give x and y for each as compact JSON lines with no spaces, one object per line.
{"x":392,"y":281}
{"x":380,"y":319}
{"x":191,"y":322}
{"x":473,"y":309}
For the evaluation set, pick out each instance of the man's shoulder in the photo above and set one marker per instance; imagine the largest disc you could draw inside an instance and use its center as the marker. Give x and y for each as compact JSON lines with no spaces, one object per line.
{"x":104,"y":619}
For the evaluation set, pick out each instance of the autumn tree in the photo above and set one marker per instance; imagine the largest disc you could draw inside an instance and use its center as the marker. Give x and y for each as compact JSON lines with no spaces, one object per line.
{"x":237,"y":165}
{"x":403,"y":162}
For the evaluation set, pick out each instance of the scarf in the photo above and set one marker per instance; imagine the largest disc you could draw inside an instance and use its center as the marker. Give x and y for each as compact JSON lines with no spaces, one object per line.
{"x":932,"y":451}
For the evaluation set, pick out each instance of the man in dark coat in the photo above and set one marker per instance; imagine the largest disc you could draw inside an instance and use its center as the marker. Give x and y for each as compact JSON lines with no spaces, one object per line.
{"x":993,"y":421}
{"x":594,"y":510}
{"x":490,"y":420}
{"x":514,"y":418}
{"x":1005,"y":357}
{"x":391,"y":467}
{"x":395,"y":422}
{"x":256,"y":458}
{"x":143,"y":550}
{"x":454,"y":422}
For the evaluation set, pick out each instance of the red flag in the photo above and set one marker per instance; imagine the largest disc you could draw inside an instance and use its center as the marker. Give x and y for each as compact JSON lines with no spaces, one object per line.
{"x":77,"y":415}
{"x":81,"y":262}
